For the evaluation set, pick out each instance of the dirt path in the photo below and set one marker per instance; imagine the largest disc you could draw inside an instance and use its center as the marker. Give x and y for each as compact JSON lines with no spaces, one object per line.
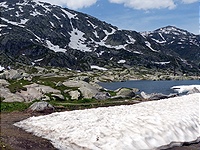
{"x":13,"y":138}
{"x":16,"y":138}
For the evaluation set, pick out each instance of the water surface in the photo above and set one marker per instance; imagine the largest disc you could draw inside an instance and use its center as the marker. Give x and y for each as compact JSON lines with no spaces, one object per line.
{"x":149,"y":86}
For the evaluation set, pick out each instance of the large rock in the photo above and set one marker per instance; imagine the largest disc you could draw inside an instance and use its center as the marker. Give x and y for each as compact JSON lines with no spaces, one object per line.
{"x":58,"y":96}
{"x":72,"y":83}
{"x":30,"y":94}
{"x":10,"y":97}
{"x":42,"y":107}
{"x":87,"y":90}
{"x":74,"y":95}
{"x":43,"y":88}
{"x":3,"y":83}
{"x":156,"y":96}
{"x":194,"y":90}
{"x":102,"y":96}
{"x":11,"y":74}
{"x":126,"y":93}
{"x":36,"y":91}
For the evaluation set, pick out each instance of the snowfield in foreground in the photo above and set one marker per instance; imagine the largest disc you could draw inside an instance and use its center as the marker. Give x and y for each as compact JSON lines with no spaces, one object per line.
{"x":143,"y":126}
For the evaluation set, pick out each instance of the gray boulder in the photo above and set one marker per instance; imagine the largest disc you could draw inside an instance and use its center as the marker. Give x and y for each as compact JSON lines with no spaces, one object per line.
{"x":36,"y":91}
{"x":30,"y":94}
{"x":102,"y":96}
{"x":58,"y":96}
{"x":194,"y":90}
{"x":72,"y":83}
{"x":3,"y":83}
{"x":10,"y":97}
{"x":11,"y":74}
{"x":42,"y":88}
{"x":45,"y":98}
{"x":87,"y":90}
{"x":126,"y":93}
{"x":156,"y":96}
{"x":42,"y":107}
{"x":74,"y":95}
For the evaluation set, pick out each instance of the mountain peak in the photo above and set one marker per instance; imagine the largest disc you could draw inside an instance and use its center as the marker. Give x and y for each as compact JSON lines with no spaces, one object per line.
{"x":172,"y":30}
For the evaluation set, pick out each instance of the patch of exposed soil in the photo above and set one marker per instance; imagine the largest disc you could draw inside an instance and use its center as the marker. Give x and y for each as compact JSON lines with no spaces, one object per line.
{"x":15,"y":138}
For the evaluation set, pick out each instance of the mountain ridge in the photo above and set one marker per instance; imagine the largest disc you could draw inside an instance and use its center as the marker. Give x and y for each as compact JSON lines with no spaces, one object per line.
{"x":38,"y":33}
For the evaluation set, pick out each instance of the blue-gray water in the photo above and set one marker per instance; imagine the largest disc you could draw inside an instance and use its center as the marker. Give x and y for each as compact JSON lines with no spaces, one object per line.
{"x":150,"y":86}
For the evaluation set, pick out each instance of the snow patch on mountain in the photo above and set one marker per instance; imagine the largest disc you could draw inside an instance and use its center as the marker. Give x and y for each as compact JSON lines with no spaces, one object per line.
{"x":77,"y":41}
{"x":56,"y":17}
{"x":149,"y":46}
{"x":23,"y":21}
{"x":12,"y":22}
{"x":131,"y":40}
{"x":121,"y":61}
{"x":96,"y":34}
{"x":94,"y":26}
{"x":44,"y":5}
{"x":70,"y":15}
{"x":100,"y":53}
{"x":137,"y":52}
{"x":3,"y":4}
{"x":38,"y":60}
{"x":98,"y":68}
{"x":52,"y":24}
{"x":162,"y":63}
{"x":146,"y":33}
{"x":35,"y":13}
{"x":55,"y":48}
{"x":3,"y":25}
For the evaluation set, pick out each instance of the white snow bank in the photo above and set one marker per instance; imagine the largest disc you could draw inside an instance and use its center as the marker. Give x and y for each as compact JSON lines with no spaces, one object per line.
{"x":185,"y":88}
{"x":145,"y":126}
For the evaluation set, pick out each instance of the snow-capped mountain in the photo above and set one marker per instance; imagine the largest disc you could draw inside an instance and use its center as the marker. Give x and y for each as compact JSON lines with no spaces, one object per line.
{"x":38,"y":33}
{"x":186,"y":44}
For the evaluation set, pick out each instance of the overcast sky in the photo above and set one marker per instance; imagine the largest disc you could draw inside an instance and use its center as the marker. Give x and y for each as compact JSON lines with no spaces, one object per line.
{"x":140,"y":15}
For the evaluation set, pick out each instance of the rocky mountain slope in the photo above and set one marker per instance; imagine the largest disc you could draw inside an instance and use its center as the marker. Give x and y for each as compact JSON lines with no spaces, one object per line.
{"x":180,"y":41}
{"x":37,"y":33}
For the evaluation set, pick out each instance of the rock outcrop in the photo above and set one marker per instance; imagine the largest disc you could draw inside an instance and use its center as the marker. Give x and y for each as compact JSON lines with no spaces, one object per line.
{"x":30,"y":94}
{"x":194,"y":90}
{"x":42,"y":88}
{"x":125,"y":93}
{"x":4,"y":83}
{"x":10,"y":97}
{"x":156,"y":96}
{"x":86,"y":89}
{"x":102,"y":96}
{"x":74,"y":95}
{"x":42,"y":107}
